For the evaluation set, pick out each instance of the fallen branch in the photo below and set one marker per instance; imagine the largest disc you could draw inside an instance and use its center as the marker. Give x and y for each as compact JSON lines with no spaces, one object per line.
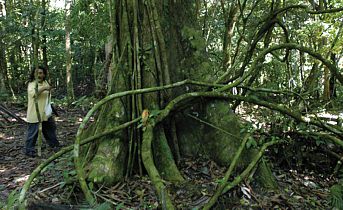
{"x":51,"y":187}
{"x":8,"y":112}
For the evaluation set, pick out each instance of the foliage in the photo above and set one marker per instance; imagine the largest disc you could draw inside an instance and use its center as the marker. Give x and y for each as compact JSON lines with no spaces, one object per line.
{"x":212,"y":41}
{"x":11,"y":202}
{"x":336,"y":196}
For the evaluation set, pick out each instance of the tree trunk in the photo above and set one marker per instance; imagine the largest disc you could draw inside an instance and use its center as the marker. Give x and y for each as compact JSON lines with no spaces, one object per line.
{"x":3,"y":67}
{"x":230,"y":16}
{"x":312,"y":80}
{"x":3,"y":62}
{"x":69,"y":80}
{"x":35,"y":38}
{"x":139,"y":35}
{"x":44,"y":41}
{"x":326,"y":93}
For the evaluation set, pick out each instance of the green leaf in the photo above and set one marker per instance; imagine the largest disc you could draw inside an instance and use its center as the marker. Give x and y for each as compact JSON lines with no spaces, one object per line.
{"x":336,"y":196}
{"x":72,"y":172}
{"x":154,"y":113}
{"x":104,"y":206}
{"x":119,"y":206}
{"x":91,"y":186}
{"x":251,"y":143}
{"x":220,"y":181}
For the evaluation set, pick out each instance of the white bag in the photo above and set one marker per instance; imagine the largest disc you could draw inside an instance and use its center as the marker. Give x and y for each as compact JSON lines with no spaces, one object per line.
{"x":48,"y":108}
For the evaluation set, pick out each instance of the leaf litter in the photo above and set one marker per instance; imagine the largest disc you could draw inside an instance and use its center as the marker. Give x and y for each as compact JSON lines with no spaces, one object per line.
{"x":302,"y":189}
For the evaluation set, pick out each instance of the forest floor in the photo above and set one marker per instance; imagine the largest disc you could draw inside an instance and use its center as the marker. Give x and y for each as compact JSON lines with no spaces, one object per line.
{"x":298,"y":188}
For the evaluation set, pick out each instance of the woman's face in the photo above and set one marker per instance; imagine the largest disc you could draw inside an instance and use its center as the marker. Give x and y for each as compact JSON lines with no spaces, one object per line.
{"x":40,"y":75}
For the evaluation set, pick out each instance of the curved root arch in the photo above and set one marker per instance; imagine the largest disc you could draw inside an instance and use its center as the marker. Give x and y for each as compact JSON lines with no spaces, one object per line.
{"x":148,"y":134}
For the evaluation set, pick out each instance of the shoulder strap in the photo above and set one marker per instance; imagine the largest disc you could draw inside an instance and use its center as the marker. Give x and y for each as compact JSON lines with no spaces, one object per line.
{"x":49,"y":94}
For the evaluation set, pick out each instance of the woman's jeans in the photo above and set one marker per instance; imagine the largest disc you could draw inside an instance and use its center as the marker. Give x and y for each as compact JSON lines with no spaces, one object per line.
{"x":48,"y":130}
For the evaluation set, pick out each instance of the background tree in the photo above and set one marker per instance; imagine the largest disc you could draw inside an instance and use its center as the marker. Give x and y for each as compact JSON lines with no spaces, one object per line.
{"x":3,"y":63}
{"x":70,"y":88}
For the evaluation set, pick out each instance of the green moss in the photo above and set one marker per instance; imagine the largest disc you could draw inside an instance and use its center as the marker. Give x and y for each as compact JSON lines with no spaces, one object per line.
{"x":189,"y":135}
{"x":164,"y":158}
{"x":217,"y":135}
{"x":221,"y":146}
{"x":107,"y":165}
{"x":265,"y":177}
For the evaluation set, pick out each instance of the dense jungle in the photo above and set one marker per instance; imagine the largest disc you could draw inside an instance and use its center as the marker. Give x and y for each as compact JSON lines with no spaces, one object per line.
{"x":171,"y":104}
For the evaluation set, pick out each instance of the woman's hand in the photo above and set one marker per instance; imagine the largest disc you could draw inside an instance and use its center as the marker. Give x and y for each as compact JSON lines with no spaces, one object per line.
{"x":47,"y":87}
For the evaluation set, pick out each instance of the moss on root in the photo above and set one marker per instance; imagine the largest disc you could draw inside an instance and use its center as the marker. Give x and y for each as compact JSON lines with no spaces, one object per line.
{"x":164,"y":158}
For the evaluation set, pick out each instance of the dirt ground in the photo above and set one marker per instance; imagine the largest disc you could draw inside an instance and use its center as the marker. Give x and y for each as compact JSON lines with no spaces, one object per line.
{"x":15,"y":166}
{"x":299,"y":189}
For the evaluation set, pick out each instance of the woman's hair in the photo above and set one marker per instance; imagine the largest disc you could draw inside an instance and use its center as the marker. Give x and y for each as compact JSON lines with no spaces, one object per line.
{"x":32,"y":74}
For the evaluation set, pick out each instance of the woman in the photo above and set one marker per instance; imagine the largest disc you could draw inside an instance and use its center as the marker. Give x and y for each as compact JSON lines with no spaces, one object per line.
{"x":38,"y":78}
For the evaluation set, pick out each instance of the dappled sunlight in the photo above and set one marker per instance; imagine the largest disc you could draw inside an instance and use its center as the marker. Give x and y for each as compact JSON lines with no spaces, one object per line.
{"x":6,"y":137}
{"x":12,"y":175}
{"x":330,"y":118}
{"x":21,"y":179}
{"x":58,"y":119}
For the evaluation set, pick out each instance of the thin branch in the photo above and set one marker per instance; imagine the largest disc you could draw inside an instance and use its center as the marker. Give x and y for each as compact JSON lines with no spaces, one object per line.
{"x":174,"y":104}
{"x":333,"y":69}
{"x":248,"y":169}
{"x":305,"y":7}
{"x":227,"y":175}
{"x":213,"y":126}
{"x":324,"y":135}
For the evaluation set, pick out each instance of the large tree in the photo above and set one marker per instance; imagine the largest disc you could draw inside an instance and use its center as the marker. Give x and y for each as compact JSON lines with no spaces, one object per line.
{"x":157,"y":44}
{"x":179,"y":69}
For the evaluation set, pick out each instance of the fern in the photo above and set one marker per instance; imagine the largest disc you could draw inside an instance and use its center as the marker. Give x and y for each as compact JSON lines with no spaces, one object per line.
{"x":336,"y":196}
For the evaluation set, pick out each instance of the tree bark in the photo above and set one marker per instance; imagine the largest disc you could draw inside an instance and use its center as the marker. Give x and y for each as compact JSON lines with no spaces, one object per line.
{"x":34,"y":37}
{"x":230,"y":18}
{"x":3,"y":61}
{"x":69,"y":79}
{"x":44,"y":40}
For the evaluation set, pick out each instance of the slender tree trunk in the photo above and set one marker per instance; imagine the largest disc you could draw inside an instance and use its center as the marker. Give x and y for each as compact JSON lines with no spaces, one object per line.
{"x":70,"y":88}
{"x":44,"y":41}
{"x":111,"y":7}
{"x":230,"y":16}
{"x":326,"y":93}
{"x":137,"y":72}
{"x":3,"y":62}
{"x":313,"y":79}
{"x":161,"y":44}
{"x":3,"y":67}
{"x":332,"y":82}
{"x":35,"y":37}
